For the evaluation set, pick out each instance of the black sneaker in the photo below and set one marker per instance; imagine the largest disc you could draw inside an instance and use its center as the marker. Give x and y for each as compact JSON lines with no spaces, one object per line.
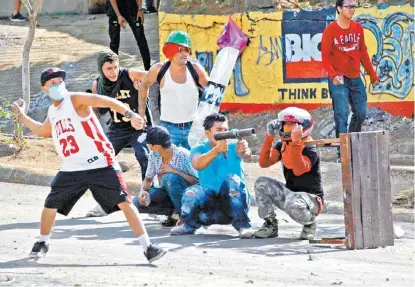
{"x":154,"y":252}
{"x":150,"y":10}
{"x":39,"y":250}
{"x":169,"y":222}
{"x":18,"y":18}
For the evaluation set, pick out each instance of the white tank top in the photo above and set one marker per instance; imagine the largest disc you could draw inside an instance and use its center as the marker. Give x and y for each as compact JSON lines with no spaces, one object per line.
{"x":80,"y":142}
{"x":178,"y":101}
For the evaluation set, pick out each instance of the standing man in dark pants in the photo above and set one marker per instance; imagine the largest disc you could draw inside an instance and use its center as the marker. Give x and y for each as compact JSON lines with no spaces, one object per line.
{"x":121,"y":84}
{"x":121,"y":12}
{"x":343,"y":50}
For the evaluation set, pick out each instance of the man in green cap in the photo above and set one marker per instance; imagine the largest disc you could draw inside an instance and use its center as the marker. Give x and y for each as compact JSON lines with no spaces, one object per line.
{"x":121,"y":84}
{"x":180,"y":80}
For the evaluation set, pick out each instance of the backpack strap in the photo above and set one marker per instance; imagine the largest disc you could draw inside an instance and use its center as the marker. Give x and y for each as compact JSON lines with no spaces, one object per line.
{"x":163,"y":71}
{"x":193,"y":72}
{"x":189,"y":65}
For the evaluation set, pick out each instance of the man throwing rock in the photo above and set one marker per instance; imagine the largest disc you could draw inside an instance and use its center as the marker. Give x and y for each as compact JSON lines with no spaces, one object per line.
{"x":88,"y":159}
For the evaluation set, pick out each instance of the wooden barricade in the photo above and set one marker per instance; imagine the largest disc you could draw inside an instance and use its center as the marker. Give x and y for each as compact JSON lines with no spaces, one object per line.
{"x":366,"y":188}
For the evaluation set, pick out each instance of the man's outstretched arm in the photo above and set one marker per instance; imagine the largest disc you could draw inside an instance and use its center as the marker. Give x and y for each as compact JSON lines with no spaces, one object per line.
{"x":85,"y":100}
{"x":42,"y":129}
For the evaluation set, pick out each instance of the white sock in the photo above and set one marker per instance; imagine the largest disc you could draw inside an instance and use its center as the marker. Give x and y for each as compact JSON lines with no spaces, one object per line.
{"x":144,"y":241}
{"x":44,"y":238}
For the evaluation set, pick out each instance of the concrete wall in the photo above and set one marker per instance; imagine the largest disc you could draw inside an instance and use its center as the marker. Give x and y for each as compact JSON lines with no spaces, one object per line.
{"x":282,"y":64}
{"x":53,"y":6}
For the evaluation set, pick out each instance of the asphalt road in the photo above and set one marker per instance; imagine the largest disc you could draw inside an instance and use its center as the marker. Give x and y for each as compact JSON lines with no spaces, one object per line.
{"x":104,"y":252}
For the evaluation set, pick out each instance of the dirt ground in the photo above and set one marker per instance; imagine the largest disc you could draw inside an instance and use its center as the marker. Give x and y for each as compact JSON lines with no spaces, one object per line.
{"x":40,"y":153}
{"x":401,"y":130}
{"x":225,"y":7}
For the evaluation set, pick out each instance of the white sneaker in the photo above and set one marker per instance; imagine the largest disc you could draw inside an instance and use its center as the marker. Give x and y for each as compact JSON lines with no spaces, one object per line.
{"x":97,"y":211}
{"x":246,"y":233}
{"x":398,"y":232}
{"x":181,"y":230}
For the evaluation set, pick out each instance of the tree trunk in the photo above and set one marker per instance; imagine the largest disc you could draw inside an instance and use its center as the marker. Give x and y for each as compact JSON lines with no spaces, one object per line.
{"x":33,"y":9}
{"x":26,"y":61}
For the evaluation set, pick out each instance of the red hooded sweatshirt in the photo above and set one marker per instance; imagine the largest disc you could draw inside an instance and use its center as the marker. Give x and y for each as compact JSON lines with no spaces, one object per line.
{"x":344,"y":49}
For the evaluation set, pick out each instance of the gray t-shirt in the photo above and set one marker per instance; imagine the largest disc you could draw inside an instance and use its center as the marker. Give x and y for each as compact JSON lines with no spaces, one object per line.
{"x":180,"y":161}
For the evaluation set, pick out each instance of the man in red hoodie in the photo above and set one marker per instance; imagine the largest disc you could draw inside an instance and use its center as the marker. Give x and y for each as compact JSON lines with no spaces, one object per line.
{"x":343,"y":49}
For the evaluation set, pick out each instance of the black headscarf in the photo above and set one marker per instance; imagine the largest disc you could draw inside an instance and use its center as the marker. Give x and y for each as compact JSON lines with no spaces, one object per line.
{"x":105,"y":86}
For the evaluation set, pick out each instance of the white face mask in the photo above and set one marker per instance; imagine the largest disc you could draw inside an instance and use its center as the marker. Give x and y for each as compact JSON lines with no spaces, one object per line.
{"x":58,"y":91}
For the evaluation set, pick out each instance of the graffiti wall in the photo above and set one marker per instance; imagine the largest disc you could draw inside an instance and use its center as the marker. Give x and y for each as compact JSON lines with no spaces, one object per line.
{"x":282,"y":64}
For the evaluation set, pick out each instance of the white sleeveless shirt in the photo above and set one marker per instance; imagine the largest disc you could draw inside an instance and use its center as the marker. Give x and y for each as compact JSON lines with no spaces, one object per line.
{"x":178,"y":101}
{"x":80,"y":142}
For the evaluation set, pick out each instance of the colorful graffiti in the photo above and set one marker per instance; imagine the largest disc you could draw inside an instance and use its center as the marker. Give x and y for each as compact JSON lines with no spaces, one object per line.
{"x":206,"y":60}
{"x":282,"y":64}
{"x":394,"y":58}
{"x":270,"y":48}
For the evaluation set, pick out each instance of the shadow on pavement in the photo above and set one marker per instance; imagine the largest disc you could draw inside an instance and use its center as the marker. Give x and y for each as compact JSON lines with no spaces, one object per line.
{"x":27,"y":262}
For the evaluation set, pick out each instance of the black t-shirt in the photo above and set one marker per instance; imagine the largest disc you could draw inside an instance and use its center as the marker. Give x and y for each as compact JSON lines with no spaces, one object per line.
{"x":128,"y":95}
{"x":126,"y":8}
{"x":308,"y":182}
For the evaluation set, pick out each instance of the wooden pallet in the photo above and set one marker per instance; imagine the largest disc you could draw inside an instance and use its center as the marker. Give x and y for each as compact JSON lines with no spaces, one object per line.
{"x":367,"y":195}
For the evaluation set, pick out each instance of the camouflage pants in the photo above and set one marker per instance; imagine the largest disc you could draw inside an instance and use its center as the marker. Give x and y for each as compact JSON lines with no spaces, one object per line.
{"x":300,"y":206}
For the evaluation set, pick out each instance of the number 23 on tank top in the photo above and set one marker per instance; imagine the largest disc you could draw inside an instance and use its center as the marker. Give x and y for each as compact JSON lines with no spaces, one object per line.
{"x":69,"y":146}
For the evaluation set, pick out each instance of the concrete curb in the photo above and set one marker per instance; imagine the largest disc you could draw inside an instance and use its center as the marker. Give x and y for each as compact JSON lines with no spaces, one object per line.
{"x":43,"y":177}
{"x":37,"y":177}
{"x":25,"y":176}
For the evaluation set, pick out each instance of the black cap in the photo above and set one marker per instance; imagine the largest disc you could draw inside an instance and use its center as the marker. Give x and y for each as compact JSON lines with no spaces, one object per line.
{"x":51,"y":73}
{"x":158,"y":136}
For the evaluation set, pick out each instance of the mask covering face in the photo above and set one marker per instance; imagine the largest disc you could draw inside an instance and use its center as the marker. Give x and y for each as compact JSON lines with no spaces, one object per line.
{"x":58,"y":91}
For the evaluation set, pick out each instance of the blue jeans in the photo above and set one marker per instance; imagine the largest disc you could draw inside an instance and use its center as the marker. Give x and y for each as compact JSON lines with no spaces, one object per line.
{"x":352,"y":92}
{"x":201,"y":206}
{"x":179,"y":133}
{"x":121,"y":138}
{"x":167,"y":198}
